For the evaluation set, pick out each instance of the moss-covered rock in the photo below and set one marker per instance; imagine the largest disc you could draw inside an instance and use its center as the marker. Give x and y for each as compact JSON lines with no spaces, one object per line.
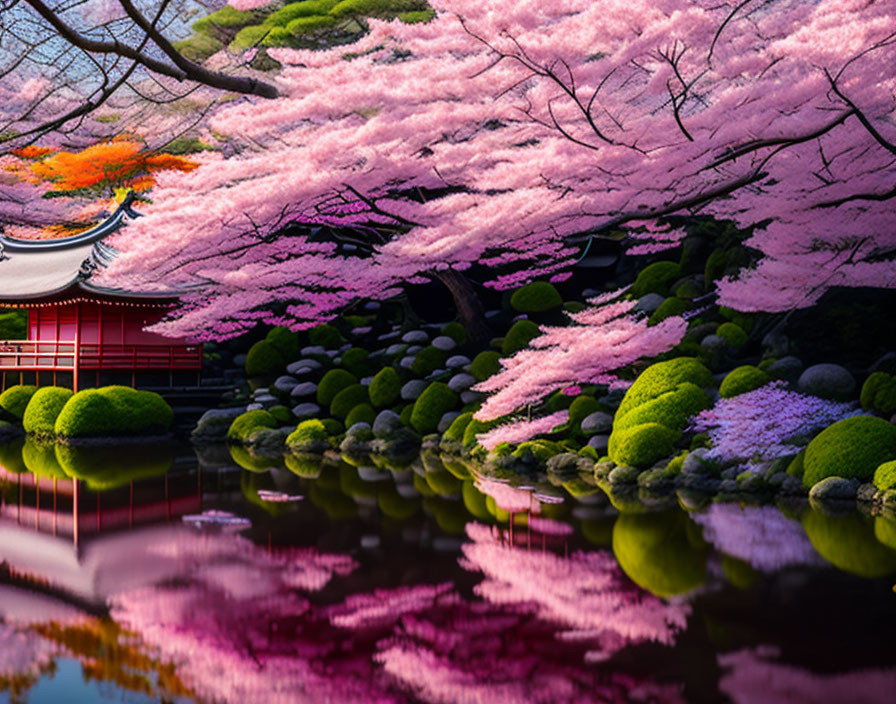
{"x":662,"y":377}
{"x":655,"y":278}
{"x":741,"y":380}
{"x":849,"y":543}
{"x":582,"y":407}
{"x":733,"y":334}
{"x":15,"y":399}
{"x":264,"y":360}
{"x":362,"y":413}
{"x":385,"y":388}
{"x":671,"y":409}
{"x":456,"y":332}
{"x":332,"y":383}
{"x":326,"y":336}
{"x":885,"y":476}
{"x":535,"y":297}
{"x":477,"y":427}
{"x":521,"y":333}
{"x":436,"y":400}
{"x":286,"y":342}
{"x":44,"y":408}
{"x":428,"y":360}
{"x":661,"y":552}
{"x":347,"y":399}
{"x":113,"y":410}
{"x":641,"y":445}
{"x":455,"y":431}
{"x":356,"y":360}
{"x":796,"y":468}
{"x":671,"y":306}
{"x":245,"y":424}
{"x":309,"y":436}
{"x":879,"y":393}
{"x":850,"y":448}
{"x":485,"y":364}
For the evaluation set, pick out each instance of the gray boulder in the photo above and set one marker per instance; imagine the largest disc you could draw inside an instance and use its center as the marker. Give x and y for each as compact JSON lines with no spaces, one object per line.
{"x":597,"y":422}
{"x":413,"y":349}
{"x":303,"y":366}
{"x":214,"y":424}
{"x":312,"y":349}
{"x":415,"y":337}
{"x":834,"y":489}
{"x":396,"y":348}
{"x":406,"y":362}
{"x":787,"y":368}
{"x":446,"y":420}
{"x":649,"y":303}
{"x":306,"y":388}
{"x":827,"y":381}
{"x":457,"y":361}
{"x":599,"y":442}
{"x":461,"y":382}
{"x":386,"y":423}
{"x":470,"y":396}
{"x":443,"y":342}
{"x":776,"y":344}
{"x":412,"y":389}
{"x":285,"y":383}
{"x":306,"y":410}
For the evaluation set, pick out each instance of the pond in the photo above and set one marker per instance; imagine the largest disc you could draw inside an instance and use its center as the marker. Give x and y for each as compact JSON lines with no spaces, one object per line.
{"x":163,"y":576}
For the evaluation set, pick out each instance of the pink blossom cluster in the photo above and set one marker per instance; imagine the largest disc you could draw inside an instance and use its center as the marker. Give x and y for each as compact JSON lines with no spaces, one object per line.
{"x":760,"y":424}
{"x":600,"y":339}
{"x":521,"y":430}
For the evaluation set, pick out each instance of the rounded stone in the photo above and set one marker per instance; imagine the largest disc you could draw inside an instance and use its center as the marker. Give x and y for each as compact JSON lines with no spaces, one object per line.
{"x":413,"y":349}
{"x":827,"y":381}
{"x":306,"y":388}
{"x":386,"y":422}
{"x":599,"y":442}
{"x":461,"y":382}
{"x":787,"y":368}
{"x":443,"y":342}
{"x":470,"y":396}
{"x":414,"y":336}
{"x":303,"y":366}
{"x":597,"y":422}
{"x":285,"y":383}
{"x":312,"y":349}
{"x":648,"y":303}
{"x":306,"y":410}
{"x":446,"y":420}
{"x":396,"y":348}
{"x":412,"y":389}
{"x":458,"y":361}
{"x":407,"y":362}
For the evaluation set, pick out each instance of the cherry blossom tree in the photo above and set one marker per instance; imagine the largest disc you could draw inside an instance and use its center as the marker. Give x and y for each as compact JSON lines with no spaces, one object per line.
{"x":502,"y":136}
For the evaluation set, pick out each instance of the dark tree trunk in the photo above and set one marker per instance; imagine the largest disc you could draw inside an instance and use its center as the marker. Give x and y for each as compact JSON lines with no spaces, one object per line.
{"x":470,"y":312}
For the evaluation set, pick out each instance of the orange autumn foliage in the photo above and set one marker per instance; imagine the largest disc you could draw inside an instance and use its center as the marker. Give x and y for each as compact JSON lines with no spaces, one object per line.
{"x":118,"y":163}
{"x":32,"y":151}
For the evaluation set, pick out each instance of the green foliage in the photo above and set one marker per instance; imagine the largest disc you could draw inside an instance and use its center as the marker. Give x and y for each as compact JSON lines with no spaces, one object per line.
{"x":668,"y":308}
{"x":582,"y":407}
{"x":715,"y":265}
{"x":885,"y":531}
{"x":574,"y":306}
{"x":44,"y":408}
{"x":733,"y":334}
{"x":405,"y":415}
{"x":332,"y":383}
{"x":455,"y":431}
{"x":455,"y":331}
{"x":298,"y":27}
{"x":663,"y":377}
{"x":325,"y":335}
{"x":641,"y":445}
{"x":15,"y":400}
{"x":286,"y":342}
{"x":264,"y":359}
{"x":796,"y":468}
{"x":428,"y":360}
{"x":655,"y":278}
{"x":250,"y":36}
{"x":660,"y":552}
{"x":535,"y":297}
{"x":849,"y":543}
{"x":885,"y":476}
{"x":106,"y":468}
{"x":309,"y":436}
{"x":333,"y":426}
{"x":739,"y":573}
{"x":444,"y":483}
{"x":676,"y":463}
{"x":436,"y":400}
{"x":294,"y":10}
{"x":281,"y":413}
{"x":519,"y":336}
{"x":852,"y":447}
{"x":741,"y":380}
{"x":558,"y":401}
{"x":355,"y":360}
{"x":385,"y":387}
{"x":113,"y":410}
{"x":416,"y":16}
{"x":347,"y":399}
{"x":485,"y":364}
{"x":538,"y":451}
{"x":247,"y":423}
{"x":13,"y":324}
{"x":376,"y":8}
{"x":199,"y":47}
{"x":225,"y":17}
{"x":671,"y":409}
{"x":362,"y":413}
{"x":742,"y":320}
{"x":477,"y":427}
{"x":879,"y":393}
{"x":687,"y":289}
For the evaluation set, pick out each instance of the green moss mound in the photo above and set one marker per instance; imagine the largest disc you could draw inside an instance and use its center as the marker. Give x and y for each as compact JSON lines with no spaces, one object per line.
{"x":879,"y":393}
{"x":332,"y":383}
{"x":655,"y":278}
{"x":347,"y":399}
{"x":282,"y":414}
{"x":849,"y":543}
{"x":39,"y":456}
{"x":326,"y":336}
{"x":199,"y":47}
{"x":796,"y":468}
{"x":385,"y":388}
{"x":741,"y":380}
{"x":733,"y":334}
{"x":11,"y":456}
{"x":428,"y":360}
{"x":264,"y":359}
{"x":451,"y":516}
{"x":477,"y":427}
{"x":309,"y":436}
{"x":852,"y":447}
{"x":225,"y":17}
{"x":885,"y":476}
{"x":456,"y":332}
{"x":662,"y":377}
{"x":436,"y":400}
{"x":113,"y":410}
{"x":455,"y":431}
{"x":668,"y":308}
{"x":659,"y":552}
{"x":15,"y":400}
{"x":376,"y":8}
{"x":671,"y":409}
{"x":485,"y":364}
{"x":44,"y":408}
{"x":105,"y":468}
{"x":641,"y":445}
{"x":362,"y":413}
{"x":521,"y":333}
{"x":535,"y":297}
{"x":356,"y":361}
{"x":245,"y":424}
{"x":582,"y":407}
{"x":295,"y":10}
{"x":285,"y":341}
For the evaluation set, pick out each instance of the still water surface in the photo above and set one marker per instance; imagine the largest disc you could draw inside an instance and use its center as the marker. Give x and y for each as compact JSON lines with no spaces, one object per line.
{"x":216,"y":584}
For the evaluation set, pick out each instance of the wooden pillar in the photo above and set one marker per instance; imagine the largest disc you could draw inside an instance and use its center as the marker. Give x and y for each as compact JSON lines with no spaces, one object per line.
{"x":75,"y":530}
{"x":76,"y":362}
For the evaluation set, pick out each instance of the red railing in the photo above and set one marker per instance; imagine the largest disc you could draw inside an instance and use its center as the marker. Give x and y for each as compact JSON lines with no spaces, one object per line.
{"x":59,"y":355}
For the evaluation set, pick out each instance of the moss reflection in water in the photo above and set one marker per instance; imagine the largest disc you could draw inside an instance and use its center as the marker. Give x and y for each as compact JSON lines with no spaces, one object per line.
{"x":40,"y":459}
{"x":253,"y":463}
{"x":104,"y":468}
{"x":252,"y":482}
{"x":849,"y":543}
{"x":11,"y":456}
{"x":662,"y":552}
{"x":394,"y":505}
